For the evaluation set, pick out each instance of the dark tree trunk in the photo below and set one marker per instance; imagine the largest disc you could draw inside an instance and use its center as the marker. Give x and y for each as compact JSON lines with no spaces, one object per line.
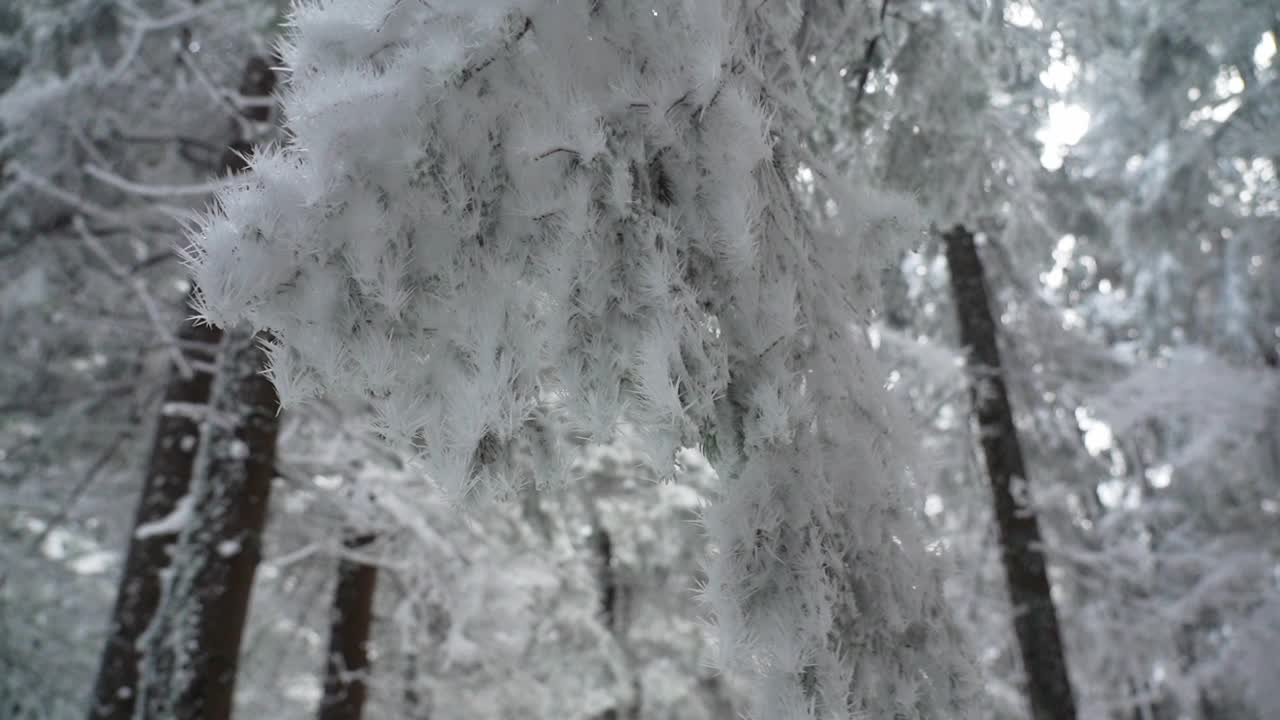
{"x":168,"y":478}
{"x":603,"y":546}
{"x":259,"y":81}
{"x":193,"y":647}
{"x":1035,"y":619}
{"x":350,"y":621}
{"x":610,"y":613}
{"x":169,"y":473}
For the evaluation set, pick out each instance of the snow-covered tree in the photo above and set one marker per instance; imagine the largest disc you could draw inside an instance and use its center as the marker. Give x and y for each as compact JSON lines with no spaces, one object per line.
{"x":1124,"y":259}
{"x":485,"y":205}
{"x":537,"y":246}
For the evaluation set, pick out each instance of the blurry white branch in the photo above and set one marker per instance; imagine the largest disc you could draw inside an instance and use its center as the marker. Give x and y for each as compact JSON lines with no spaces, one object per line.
{"x":141,"y":24}
{"x":153,"y":191}
{"x":85,"y":207}
{"x":140,"y":289}
{"x":244,"y":125}
{"x":251,"y":101}
{"x":144,"y":22}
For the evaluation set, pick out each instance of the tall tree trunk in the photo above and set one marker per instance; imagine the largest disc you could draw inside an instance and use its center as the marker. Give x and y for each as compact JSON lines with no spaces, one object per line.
{"x":169,"y":471}
{"x":193,"y":646}
{"x":351,"y":618}
{"x":1035,"y":619}
{"x":168,"y":478}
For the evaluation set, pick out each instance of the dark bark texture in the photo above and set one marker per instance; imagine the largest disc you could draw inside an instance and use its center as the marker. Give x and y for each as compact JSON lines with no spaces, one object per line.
{"x":169,"y":472}
{"x":259,"y":81}
{"x":350,"y":622}
{"x":168,"y":478}
{"x":612,"y":616}
{"x":1035,"y":618}
{"x":193,"y":647}
{"x":602,"y":544}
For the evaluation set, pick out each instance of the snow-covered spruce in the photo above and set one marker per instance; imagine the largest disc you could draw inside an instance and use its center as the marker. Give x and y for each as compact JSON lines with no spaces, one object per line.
{"x":488,"y":204}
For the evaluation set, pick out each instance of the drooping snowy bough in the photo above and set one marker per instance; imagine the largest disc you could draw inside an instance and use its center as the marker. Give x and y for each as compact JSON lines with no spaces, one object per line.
{"x":486,"y":205}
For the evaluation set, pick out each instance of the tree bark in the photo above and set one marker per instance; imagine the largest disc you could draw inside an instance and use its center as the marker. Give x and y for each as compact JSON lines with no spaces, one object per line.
{"x":169,"y":473}
{"x":612,"y":617}
{"x":193,"y":646}
{"x":351,"y":619}
{"x":602,"y":544}
{"x":259,"y":81}
{"x":173,"y":454}
{"x":1035,"y":618}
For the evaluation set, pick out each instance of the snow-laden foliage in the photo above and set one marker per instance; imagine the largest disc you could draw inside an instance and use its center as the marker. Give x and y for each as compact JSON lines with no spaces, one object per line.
{"x":1222,"y":404}
{"x":486,"y":205}
{"x":483,"y":615}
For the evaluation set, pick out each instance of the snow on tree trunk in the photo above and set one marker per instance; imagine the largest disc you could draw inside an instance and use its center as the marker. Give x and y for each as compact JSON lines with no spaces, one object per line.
{"x":167,"y":481}
{"x":192,"y":647}
{"x":166,"y":501}
{"x":488,"y":204}
{"x":350,"y":622}
{"x":1035,"y":618}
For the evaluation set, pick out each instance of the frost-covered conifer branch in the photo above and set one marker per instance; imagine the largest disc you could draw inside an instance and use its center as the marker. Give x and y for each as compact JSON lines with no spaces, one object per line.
{"x":486,"y":204}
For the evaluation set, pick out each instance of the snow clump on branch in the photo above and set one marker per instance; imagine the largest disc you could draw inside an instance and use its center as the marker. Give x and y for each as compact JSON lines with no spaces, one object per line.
{"x":487,"y":206}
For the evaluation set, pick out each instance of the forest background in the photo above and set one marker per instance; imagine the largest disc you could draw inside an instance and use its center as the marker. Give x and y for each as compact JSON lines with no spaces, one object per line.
{"x":1112,"y":164}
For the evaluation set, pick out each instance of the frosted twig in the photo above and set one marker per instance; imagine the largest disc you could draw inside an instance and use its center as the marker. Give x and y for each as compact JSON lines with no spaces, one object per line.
{"x":118,"y":134}
{"x":128,"y":55}
{"x":87,"y":145}
{"x":360,"y":558}
{"x":141,"y":24}
{"x":147,"y":23}
{"x":153,"y":191}
{"x":301,"y":553}
{"x":219,"y":96}
{"x":85,"y":207}
{"x":473,"y":70}
{"x":90,"y":474}
{"x":171,"y":524}
{"x":140,"y":289}
{"x":246,"y":102}
{"x":199,"y":413}
{"x":204,"y":367}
